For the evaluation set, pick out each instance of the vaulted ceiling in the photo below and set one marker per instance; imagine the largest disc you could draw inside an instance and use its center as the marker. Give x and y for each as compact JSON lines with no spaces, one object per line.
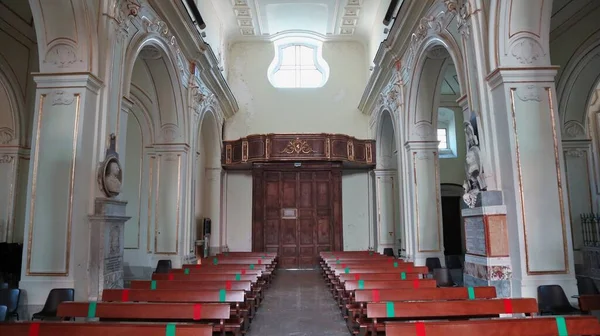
{"x":329,"y":19}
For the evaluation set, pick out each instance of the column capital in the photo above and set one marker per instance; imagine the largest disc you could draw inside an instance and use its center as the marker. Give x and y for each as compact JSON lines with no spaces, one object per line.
{"x":421,"y":145}
{"x":127,"y":104}
{"x":521,"y":75}
{"x":584,"y":143}
{"x":71,"y":80}
{"x":171,"y":148}
{"x":385,"y":172}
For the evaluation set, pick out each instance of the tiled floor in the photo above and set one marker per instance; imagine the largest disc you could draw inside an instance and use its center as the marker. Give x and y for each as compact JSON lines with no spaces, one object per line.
{"x":298,"y":304}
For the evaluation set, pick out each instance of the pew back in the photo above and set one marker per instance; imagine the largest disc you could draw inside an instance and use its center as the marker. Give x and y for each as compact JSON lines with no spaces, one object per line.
{"x":103,"y":329}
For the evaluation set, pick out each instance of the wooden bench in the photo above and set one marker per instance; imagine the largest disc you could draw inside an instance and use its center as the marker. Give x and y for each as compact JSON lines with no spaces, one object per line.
{"x":217,"y":313}
{"x":103,"y":329}
{"x":589,"y":302}
{"x":421,"y":310}
{"x":363,"y":297}
{"x":224,"y":276}
{"x":538,"y":326}
{"x":345,"y":294}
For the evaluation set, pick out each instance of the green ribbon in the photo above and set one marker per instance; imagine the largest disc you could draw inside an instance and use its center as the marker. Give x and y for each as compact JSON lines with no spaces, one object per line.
{"x":337,"y":261}
{"x":471,"y":292}
{"x":92,"y":309}
{"x":171,"y":329}
{"x":389,"y":308}
{"x":561,"y":325}
{"x":251,"y":266}
{"x":403,"y":275}
{"x":153,"y":284}
{"x":238,"y":277}
{"x":361,"y":284}
{"x":215,"y":261}
{"x":347,"y":270}
{"x":222,"y":295}
{"x":370,"y":252}
{"x":262,"y":257}
{"x":395,"y":264}
{"x":186,"y":271}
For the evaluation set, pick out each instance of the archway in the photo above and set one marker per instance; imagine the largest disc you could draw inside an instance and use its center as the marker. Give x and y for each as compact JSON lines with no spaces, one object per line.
{"x":152,"y":124}
{"x":435,"y":143}
{"x":388,"y":231}
{"x":207,"y":177}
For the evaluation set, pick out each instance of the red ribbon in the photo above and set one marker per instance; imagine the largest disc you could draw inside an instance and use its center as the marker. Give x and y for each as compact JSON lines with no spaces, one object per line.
{"x":228,"y":285}
{"x":34,"y":329}
{"x":375,"y":295}
{"x":198,"y":265}
{"x":171,"y":276}
{"x":243,"y":272}
{"x":343,"y":265}
{"x":197,"y":311}
{"x":356,"y":277}
{"x":508,"y":309}
{"x":125,"y":295}
{"x":259,"y":262}
{"x":420,"y":328}
{"x":416,"y":284}
{"x":409,"y":269}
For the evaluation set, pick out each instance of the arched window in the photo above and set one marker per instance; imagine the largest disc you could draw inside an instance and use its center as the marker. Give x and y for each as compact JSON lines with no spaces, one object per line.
{"x":298,"y":65}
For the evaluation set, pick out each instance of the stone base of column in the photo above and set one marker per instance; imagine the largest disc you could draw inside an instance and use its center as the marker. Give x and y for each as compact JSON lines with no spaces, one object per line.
{"x":107,"y":233}
{"x":420,"y":258}
{"x":487,"y":261}
{"x":483,"y":271}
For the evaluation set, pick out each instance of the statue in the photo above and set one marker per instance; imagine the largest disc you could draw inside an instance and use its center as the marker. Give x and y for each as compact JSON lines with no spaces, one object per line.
{"x":110,"y":174}
{"x":474,"y":183}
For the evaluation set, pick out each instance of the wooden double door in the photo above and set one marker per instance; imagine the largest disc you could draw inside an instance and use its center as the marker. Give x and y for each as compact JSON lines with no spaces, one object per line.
{"x":297,"y":211}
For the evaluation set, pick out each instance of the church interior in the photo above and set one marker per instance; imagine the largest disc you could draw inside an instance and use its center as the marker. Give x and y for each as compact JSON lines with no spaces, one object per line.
{"x":299,"y":167}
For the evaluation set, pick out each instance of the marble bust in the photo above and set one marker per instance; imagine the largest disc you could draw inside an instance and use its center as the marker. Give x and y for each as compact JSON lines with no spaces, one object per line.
{"x":112,"y":179}
{"x":110,"y":174}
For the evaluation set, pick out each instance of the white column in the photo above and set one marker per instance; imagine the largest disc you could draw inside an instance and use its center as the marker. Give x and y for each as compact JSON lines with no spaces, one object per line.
{"x":426,"y":205}
{"x":212,"y":206}
{"x":386,"y":206}
{"x":62,"y":185}
{"x":534,"y":183}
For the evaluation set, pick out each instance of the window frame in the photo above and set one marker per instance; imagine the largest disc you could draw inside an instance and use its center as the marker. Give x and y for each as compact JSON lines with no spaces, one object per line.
{"x":319,"y":63}
{"x":446,"y":149}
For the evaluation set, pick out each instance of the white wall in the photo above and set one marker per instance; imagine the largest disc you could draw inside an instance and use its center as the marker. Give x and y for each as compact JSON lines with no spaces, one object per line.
{"x":215,"y":31}
{"x":265,"y":109}
{"x":355,"y":210}
{"x":238,"y":210}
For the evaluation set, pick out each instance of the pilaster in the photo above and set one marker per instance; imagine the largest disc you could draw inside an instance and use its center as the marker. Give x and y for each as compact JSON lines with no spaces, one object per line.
{"x":62,"y":186}
{"x":386,"y":186}
{"x":425,"y":186}
{"x":533,"y":179}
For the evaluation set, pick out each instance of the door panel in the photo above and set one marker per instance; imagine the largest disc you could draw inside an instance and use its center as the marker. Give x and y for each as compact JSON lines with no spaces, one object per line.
{"x":295,"y":214}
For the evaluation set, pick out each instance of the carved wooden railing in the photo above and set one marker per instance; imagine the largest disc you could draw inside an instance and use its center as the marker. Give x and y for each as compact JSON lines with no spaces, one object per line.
{"x":298,"y":147}
{"x":590,"y":230}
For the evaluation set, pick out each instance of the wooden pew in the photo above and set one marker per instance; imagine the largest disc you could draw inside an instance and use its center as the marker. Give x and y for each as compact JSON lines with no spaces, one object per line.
{"x":589,"y":302}
{"x":156,"y":312}
{"x":29,"y":328}
{"x":232,"y":275}
{"x":190,"y":285}
{"x":421,"y":310}
{"x":538,"y":326}
{"x":346,"y":295}
{"x":363,"y":297}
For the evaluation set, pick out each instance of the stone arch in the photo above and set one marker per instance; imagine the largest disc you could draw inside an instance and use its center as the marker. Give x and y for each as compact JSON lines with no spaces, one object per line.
{"x":432,"y":57}
{"x":514,"y":40}
{"x":386,"y":139}
{"x":155,"y":54}
{"x":67,"y":39}
{"x":13,"y":132}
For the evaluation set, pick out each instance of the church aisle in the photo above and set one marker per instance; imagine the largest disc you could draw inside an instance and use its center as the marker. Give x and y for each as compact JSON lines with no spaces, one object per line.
{"x":298,"y":304}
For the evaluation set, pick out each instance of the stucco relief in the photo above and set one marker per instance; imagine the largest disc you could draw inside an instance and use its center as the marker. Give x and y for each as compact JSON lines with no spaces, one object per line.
{"x":169,"y":132}
{"x":526,"y":50}
{"x":529,"y":92}
{"x":433,"y":24}
{"x":6,"y":159}
{"x":7,"y":135}
{"x":391,"y":96}
{"x":574,"y":129}
{"x":62,"y":55}
{"x":423,"y":131}
{"x":61,"y":97}
{"x":574,"y":152}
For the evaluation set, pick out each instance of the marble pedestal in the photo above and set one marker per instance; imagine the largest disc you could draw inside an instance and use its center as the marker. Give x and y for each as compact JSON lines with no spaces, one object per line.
{"x":487,"y":261}
{"x":107,"y":246}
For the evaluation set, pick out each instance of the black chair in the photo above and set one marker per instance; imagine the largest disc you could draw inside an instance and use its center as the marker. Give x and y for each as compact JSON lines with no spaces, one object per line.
{"x":553,"y":301}
{"x":10,"y":299}
{"x":388,"y":252}
{"x":3,"y":310}
{"x":163,"y":266}
{"x":4,"y":285}
{"x":453,"y":262}
{"x":443,"y":278}
{"x":586,"y":286}
{"x":55,"y":297}
{"x":432,"y":263}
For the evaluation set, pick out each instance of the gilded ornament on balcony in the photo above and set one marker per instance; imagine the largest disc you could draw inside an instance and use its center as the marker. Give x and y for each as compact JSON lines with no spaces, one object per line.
{"x":297,"y":146}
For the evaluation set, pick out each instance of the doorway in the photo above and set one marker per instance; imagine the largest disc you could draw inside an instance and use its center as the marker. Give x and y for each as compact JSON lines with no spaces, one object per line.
{"x":297,"y":211}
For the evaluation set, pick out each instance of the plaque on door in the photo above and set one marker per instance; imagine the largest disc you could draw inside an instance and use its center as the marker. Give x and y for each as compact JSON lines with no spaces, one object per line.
{"x":289,"y":213}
